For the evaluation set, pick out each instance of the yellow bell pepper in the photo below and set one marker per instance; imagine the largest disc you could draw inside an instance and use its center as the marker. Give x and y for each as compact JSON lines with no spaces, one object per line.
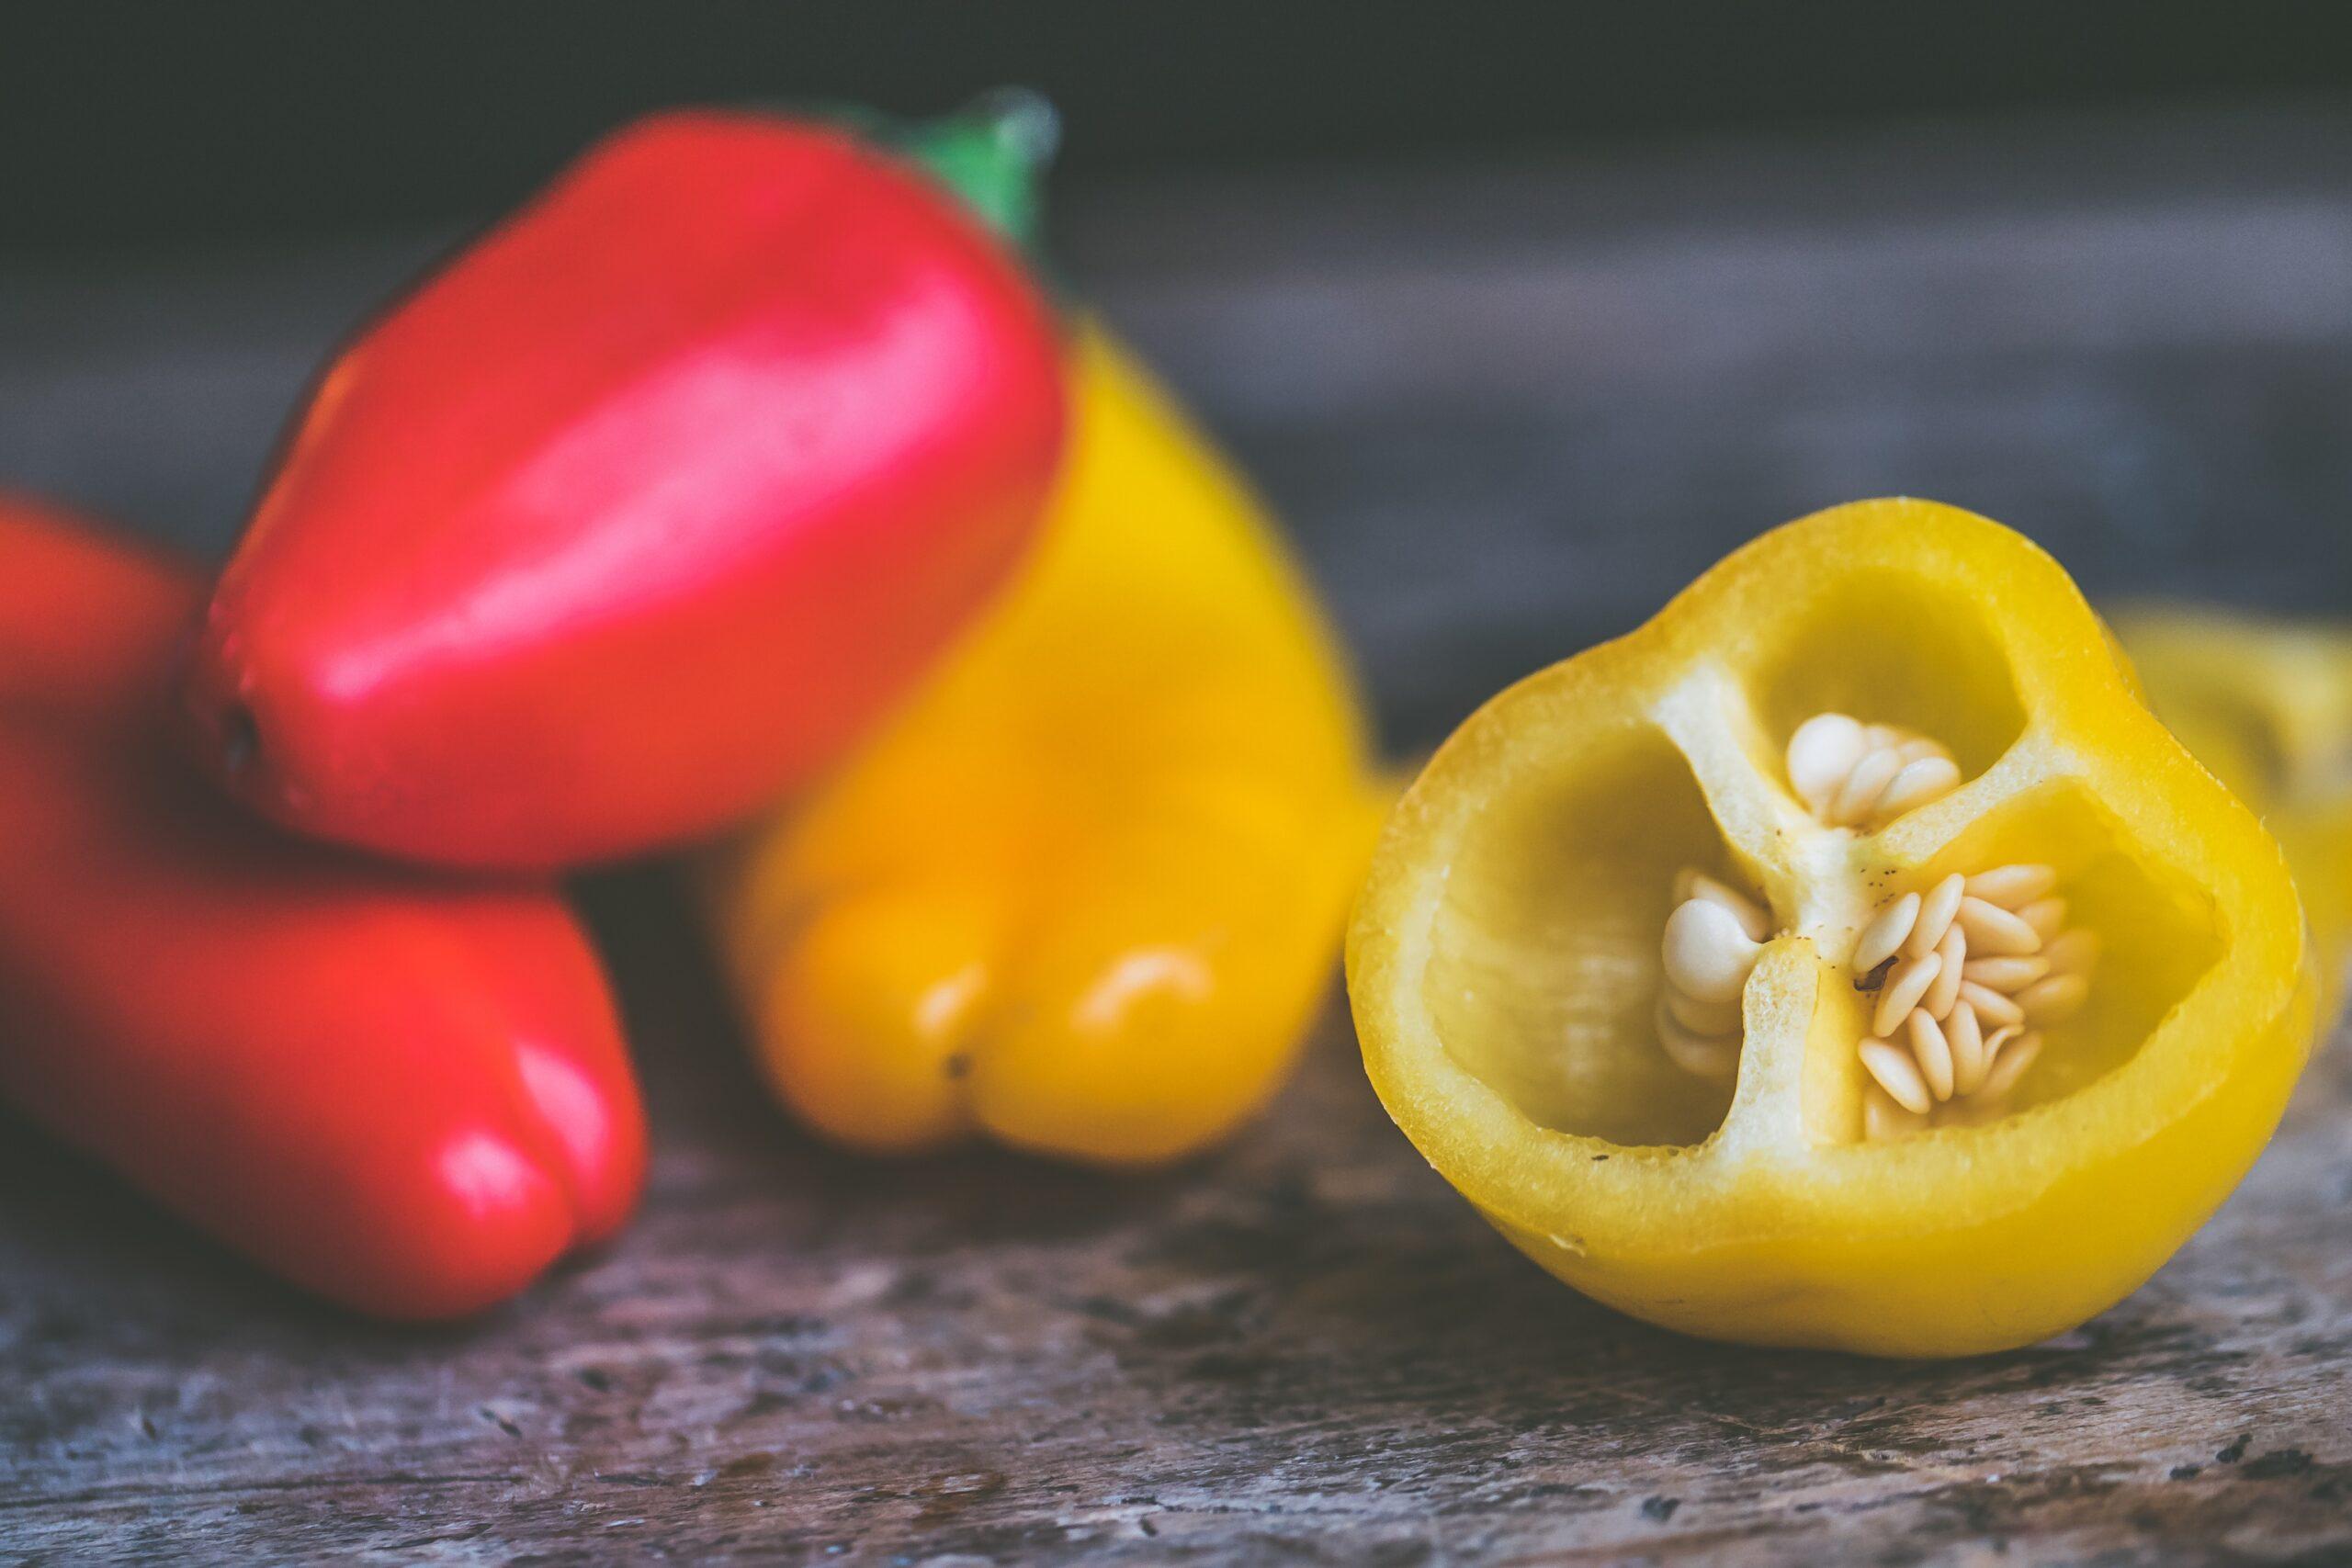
{"x":1084,"y":896}
{"x":2268,"y":706}
{"x":1649,"y":949}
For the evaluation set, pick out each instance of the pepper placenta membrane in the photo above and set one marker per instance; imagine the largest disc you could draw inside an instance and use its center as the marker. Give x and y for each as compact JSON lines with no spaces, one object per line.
{"x":407,"y":1096}
{"x":639,"y":511}
{"x":1081,"y":896}
{"x":1845,"y":958}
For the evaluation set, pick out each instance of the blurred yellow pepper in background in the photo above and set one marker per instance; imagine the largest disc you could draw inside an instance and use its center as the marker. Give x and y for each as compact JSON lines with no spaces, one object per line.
{"x":1084,"y":896}
{"x":2266,"y":703}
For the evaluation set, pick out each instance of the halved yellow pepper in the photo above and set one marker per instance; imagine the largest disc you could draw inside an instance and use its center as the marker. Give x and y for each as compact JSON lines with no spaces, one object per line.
{"x":1085,"y":894}
{"x":2266,"y":703}
{"x":1504,"y":962}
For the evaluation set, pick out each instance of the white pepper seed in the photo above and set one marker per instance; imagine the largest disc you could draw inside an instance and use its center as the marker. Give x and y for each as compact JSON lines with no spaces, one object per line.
{"x":1898,"y":1075}
{"x":2073,"y":952}
{"x":2012,"y":887}
{"x":1716,"y":1059}
{"x":1699,"y":884}
{"x":1993,"y":931}
{"x":2009,"y":975}
{"x":2056,"y":998}
{"x":1885,"y":934}
{"x":1951,"y":956}
{"x":1932,"y":1052}
{"x":1929,"y":778}
{"x":1905,"y":985}
{"x":1854,"y":800}
{"x":2010,"y":1065}
{"x":1936,"y":912}
{"x":1966,"y":1038}
{"x":1703,"y":1018}
{"x":1882,"y":1118}
{"x":1820,"y":754}
{"x":1706,"y":954}
{"x":2046,"y":916}
{"x":1991,"y":1006}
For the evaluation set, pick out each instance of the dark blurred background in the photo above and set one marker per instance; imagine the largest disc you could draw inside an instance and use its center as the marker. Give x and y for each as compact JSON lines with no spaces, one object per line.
{"x":132,"y":125}
{"x":1520,"y":313}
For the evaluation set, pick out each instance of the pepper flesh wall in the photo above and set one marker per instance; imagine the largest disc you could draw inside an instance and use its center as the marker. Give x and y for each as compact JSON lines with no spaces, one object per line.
{"x":1505,"y":962}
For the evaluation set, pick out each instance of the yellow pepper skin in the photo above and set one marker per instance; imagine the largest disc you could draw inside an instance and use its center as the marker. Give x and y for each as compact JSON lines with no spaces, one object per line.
{"x":1084,"y":895}
{"x":2268,"y":706}
{"x":1504,"y":955}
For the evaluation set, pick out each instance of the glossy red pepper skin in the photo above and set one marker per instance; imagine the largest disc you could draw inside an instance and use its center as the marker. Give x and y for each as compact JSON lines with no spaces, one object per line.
{"x":639,"y":511}
{"x":407,"y":1095}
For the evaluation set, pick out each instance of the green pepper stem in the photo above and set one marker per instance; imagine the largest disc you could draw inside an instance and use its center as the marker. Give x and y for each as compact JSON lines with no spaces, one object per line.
{"x":993,"y":153}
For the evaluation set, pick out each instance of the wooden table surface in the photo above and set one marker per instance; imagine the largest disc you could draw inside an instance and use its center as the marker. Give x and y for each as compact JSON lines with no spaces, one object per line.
{"x":1507,"y":408}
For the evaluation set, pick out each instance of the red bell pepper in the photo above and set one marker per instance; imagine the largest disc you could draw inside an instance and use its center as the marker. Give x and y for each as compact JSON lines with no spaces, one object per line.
{"x":405,"y":1095}
{"x":641,"y":510}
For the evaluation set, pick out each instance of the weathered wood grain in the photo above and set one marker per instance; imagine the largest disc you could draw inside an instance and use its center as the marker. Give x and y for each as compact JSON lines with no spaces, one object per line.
{"x":1507,"y":408}
{"x":1304,"y":1347}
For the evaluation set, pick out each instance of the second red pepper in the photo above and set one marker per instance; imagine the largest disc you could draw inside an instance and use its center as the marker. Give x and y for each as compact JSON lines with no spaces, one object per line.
{"x":408,"y":1096}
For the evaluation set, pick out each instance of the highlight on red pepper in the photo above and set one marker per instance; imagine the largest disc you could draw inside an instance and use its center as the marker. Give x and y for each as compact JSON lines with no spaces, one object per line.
{"x":639,"y":512}
{"x":408,"y":1096}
